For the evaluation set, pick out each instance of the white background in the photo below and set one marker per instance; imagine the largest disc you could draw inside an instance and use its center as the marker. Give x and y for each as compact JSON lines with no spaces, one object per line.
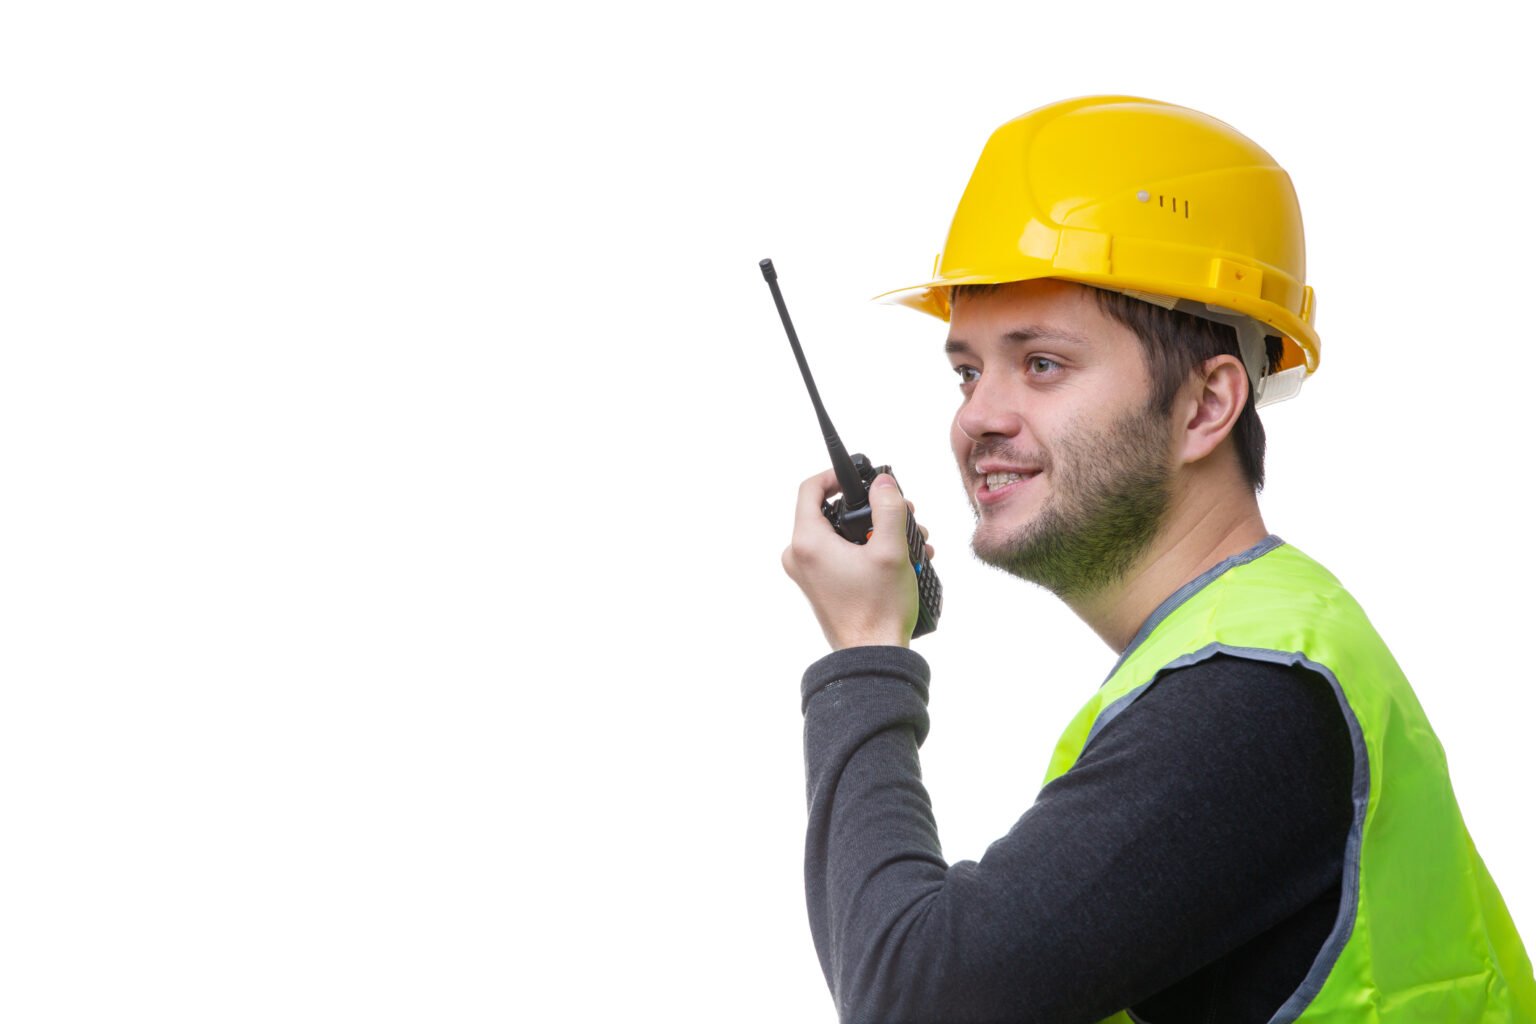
{"x":397,"y":443}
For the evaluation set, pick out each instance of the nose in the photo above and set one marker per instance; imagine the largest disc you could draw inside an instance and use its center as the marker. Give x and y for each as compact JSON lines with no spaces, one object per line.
{"x":990,"y":410}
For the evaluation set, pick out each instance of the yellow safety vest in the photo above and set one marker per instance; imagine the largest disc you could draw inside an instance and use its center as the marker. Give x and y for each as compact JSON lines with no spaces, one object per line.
{"x":1422,"y":933}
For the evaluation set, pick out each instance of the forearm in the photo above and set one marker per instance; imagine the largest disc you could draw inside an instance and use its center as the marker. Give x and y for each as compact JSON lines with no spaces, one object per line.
{"x":872,"y":854}
{"x":902,"y":936}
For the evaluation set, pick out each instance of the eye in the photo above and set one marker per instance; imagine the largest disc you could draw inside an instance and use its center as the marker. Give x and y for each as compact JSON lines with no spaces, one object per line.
{"x":1042,"y":365}
{"x":968,"y":375}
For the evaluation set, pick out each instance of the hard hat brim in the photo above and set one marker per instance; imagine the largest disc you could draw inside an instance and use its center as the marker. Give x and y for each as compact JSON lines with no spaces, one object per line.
{"x":1299,"y":341}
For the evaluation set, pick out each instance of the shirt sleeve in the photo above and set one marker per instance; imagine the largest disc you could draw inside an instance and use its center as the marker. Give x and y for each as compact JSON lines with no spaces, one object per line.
{"x":1214,"y":807}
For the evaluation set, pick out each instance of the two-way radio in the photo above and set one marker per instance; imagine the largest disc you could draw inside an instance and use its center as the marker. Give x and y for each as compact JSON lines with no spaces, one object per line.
{"x":850,"y":514}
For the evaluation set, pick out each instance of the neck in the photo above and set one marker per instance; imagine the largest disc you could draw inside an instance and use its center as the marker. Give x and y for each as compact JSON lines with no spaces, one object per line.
{"x":1198,"y":533}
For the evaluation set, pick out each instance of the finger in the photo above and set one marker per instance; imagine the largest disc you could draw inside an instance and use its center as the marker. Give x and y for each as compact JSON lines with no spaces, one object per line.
{"x":912,"y":511}
{"x":889,"y":516}
{"x":808,"y":502}
{"x":928,"y":552}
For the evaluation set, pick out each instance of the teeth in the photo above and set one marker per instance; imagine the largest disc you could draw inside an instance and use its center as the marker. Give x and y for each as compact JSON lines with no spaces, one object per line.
{"x":996,"y":480}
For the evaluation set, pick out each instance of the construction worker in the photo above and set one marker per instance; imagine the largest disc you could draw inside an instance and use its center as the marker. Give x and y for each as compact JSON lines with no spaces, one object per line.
{"x":1251,"y":819}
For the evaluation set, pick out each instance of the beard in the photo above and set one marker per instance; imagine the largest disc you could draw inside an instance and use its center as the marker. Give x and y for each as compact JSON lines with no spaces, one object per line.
{"x":1110,"y":492}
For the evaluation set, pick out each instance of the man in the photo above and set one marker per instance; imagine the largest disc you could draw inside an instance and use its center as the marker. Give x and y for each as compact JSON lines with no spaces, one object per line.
{"x":1251,"y":819}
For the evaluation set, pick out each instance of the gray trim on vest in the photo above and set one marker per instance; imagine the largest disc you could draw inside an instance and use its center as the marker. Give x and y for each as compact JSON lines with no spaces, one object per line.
{"x":1349,"y":897}
{"x":1160,"y":613}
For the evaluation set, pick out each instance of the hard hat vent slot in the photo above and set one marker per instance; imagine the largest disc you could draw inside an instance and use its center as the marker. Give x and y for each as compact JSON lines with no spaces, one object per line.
{"x":1171,"y":204}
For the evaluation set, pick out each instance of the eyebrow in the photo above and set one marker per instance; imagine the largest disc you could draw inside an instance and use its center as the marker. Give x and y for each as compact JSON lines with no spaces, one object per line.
{"x":1021,"y":335}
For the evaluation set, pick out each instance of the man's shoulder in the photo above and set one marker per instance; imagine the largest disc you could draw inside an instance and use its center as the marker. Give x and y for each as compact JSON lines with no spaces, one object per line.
{"x":1230,"y":689}
{"x":1256,"y":723}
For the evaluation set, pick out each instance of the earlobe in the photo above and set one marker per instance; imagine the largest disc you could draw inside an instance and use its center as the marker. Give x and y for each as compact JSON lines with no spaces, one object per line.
{"x":1218,"y":391}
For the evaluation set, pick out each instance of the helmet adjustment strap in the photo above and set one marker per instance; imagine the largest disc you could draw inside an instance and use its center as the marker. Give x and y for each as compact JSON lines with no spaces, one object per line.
{"x":1252,"y":345}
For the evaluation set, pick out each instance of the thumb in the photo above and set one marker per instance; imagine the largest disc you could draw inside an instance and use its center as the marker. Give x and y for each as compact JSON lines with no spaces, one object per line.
{"x":888,"y":516}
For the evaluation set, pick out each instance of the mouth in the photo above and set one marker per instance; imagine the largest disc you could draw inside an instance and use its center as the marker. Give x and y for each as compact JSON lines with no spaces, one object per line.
{"x":998,"y":484}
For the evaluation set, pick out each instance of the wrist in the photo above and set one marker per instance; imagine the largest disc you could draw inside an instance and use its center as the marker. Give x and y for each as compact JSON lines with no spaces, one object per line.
{"x":870,"y":640}
{"x":874,"y":631}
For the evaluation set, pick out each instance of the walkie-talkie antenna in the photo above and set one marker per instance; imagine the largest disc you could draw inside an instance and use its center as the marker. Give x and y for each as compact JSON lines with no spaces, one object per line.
{"x":854,"y":494}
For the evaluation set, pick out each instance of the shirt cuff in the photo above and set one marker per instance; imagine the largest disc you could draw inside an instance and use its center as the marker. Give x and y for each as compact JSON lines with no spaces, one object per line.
{"x":873,"y":663}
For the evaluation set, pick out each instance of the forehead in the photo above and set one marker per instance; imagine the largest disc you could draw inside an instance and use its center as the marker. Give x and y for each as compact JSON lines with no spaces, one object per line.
{"x":1023,"y":310}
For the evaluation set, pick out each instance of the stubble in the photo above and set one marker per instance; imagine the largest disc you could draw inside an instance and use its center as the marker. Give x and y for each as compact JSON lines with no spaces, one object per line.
{"x":1110,"y":492}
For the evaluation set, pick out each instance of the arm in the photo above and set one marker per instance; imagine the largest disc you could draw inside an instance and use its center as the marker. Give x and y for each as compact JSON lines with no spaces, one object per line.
{"x":1155,"y":855}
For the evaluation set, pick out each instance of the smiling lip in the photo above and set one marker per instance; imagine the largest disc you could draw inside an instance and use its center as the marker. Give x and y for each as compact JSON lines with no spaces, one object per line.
{"x":987,"y":494}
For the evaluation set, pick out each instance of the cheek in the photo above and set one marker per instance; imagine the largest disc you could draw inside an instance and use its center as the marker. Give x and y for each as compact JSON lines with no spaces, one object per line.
{"x":958,"y":442}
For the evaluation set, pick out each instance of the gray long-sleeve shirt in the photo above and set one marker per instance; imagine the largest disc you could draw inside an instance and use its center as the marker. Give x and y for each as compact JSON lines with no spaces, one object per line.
{"x":1187,"y":866}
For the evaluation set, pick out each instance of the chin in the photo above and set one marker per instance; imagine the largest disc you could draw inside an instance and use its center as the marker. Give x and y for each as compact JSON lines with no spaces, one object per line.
{"x":999,"y":546}
{"x":1001,"y":533}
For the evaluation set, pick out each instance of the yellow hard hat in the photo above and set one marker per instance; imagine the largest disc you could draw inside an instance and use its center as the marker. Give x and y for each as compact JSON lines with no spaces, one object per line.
{"x":1155,"y":200}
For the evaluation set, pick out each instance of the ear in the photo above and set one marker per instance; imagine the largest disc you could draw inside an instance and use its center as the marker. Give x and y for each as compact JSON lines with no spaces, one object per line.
{"x":1210,"y":403}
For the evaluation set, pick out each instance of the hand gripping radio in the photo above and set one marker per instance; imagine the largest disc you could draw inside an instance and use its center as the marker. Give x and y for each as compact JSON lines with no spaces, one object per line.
{"x":850,"y":513}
